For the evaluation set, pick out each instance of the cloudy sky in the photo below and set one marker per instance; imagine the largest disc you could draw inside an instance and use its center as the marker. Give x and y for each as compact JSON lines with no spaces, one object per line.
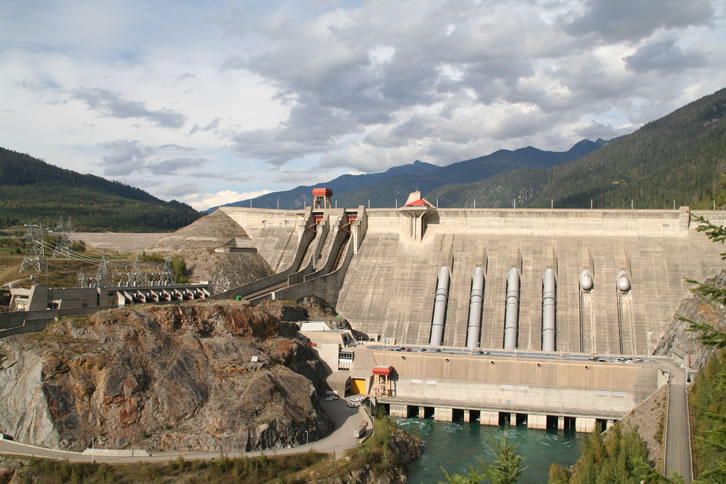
{"x":213,"y":104}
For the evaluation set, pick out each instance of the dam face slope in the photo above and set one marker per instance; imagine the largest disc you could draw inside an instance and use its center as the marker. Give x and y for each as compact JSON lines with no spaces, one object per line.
{"x":275,"y":233}
{"x":390,"y":286}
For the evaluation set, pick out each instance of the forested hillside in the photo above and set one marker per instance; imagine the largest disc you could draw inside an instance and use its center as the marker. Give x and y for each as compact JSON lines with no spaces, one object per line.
{"x":678,"y":157}
{"x":32,"y":190}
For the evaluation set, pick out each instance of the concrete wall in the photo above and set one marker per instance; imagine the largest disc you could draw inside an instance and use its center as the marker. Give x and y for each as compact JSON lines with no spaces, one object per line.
{"x":390,"y":286}
{"x":275,"y":233}
{"x":13,"y":323}
{"x":326,"y":287}
{"x":544,"y":388}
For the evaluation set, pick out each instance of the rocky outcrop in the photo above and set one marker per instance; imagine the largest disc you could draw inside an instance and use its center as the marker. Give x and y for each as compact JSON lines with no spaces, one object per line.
{"x":319,"y":309}
{"x":681,"y":343}
{"x":204,"y":376}
{"x":228,"y":270}
{"x":403,"y":447}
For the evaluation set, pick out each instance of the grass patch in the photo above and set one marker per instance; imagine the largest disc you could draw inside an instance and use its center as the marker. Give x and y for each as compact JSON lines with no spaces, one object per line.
{"x":261,"y":469}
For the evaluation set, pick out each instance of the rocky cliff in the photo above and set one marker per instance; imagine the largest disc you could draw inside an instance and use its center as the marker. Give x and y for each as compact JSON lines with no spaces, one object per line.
{"x":680,"y":342}
{"x":203,"y":376}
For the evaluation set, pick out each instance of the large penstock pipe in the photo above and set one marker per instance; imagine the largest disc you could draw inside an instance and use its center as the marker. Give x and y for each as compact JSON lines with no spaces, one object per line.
{"x":473,"y":332}
{"x":549,"y":288}
{"x":586,"y":280}
{"x":623,"y":281}
{"x":442,"y":294}
{"x":511,"y":317}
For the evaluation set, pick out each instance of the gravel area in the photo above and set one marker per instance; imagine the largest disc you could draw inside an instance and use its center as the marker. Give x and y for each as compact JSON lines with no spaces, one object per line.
{"x":121,"y":242}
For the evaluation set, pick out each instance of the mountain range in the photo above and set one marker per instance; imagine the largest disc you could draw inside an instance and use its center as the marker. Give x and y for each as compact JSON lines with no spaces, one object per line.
{"x":383,"y":189}
{"x":32,"y":190}
{"x":678,"y":158}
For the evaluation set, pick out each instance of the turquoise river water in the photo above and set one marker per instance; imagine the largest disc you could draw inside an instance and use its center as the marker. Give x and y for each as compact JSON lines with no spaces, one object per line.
{"x":455,"y":446}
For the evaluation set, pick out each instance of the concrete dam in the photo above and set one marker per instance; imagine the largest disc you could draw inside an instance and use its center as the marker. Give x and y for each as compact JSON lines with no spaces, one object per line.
{"x":635,"y":263}
{"x":544,"y":317}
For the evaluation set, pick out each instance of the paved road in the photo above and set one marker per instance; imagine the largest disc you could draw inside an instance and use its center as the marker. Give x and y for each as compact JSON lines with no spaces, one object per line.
{"x":678,"y":450}
{"x":539,"y":355}
{"x":346,"y":421}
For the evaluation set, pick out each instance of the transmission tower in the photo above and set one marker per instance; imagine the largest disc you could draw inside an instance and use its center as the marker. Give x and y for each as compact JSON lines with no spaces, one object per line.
{"x":82,"y":279}
{"x":63,"y":242}
{"x":34,"y":249}
{"x":167,"y":275}
{"x":102,"y":275}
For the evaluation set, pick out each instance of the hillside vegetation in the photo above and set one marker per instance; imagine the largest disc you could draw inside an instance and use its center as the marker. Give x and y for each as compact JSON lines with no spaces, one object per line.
{"x":708,"y":420}
{"x":33,"y":190}
{"x":678,"y":157}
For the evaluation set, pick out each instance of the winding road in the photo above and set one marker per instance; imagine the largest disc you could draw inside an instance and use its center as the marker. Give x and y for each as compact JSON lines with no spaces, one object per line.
{"x":345,"y":420}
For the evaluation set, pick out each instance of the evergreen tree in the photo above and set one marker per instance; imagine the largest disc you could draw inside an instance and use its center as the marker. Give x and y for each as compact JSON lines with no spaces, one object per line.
{"x":506,"y":468}
{"x":708,"y":397}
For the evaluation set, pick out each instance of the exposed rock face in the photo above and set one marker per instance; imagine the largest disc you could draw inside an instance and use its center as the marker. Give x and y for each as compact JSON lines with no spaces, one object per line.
{"x":230,"y":271}
{"x":404,"y":446}
{"x":319,"y":309}
{"x":163,"y":377}
{"x":681,"y":342}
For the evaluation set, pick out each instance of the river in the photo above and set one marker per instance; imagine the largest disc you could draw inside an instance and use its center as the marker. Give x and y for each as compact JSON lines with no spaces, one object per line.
{"x":455,"y":446}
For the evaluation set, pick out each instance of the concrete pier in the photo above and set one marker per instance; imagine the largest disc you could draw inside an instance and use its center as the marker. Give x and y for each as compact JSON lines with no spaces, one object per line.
{"x":537,"y":421}
{"x":488,"y":418}
{"x":585,"y":424}
{"x":444,"y":414}
{"x":399,"y":411}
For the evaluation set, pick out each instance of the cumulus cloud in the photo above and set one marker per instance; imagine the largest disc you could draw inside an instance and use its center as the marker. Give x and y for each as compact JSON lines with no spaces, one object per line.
{"x":212,"y":125}
{"x":111,"y":104}
{"x":173,"y":165}
{"x":130,"y":157}
{"x":624,"y":20}
{"x":203,"y":201}
{"x":596,"y":130}
{"x":256,"y":96}
{"x":365,"y":82}
{"x":663,"y":56}
{"x":125,"y":157}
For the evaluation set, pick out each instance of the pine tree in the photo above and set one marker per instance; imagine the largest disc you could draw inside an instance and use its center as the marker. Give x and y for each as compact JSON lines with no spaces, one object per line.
{"x":506,"y":469}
